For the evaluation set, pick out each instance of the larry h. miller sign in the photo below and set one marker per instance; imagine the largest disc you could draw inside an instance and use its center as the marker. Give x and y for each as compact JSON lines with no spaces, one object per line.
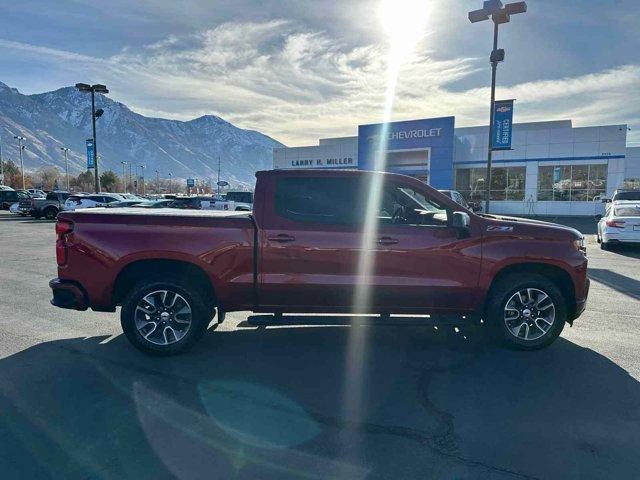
{"x":502,"y":125}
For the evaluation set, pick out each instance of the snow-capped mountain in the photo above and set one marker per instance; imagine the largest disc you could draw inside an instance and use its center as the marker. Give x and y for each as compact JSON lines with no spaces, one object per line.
{"x":186,"y":149}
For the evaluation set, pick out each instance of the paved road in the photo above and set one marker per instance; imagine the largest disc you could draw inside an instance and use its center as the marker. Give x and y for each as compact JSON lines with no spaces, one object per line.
{"x":76,"y":401}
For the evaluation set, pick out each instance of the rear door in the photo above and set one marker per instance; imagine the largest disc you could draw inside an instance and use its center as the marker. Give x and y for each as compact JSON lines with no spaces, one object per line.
{"x":309,"y":246}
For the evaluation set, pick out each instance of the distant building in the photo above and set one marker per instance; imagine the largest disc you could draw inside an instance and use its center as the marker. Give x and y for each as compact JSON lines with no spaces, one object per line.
{"x":552,"y":168}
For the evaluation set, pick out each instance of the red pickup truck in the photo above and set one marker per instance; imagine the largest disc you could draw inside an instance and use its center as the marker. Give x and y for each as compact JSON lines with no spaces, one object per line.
{"x":301,"y":250}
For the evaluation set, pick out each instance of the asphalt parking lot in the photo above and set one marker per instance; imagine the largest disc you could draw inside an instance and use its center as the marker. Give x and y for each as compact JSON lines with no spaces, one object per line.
{"x":77,"y":401}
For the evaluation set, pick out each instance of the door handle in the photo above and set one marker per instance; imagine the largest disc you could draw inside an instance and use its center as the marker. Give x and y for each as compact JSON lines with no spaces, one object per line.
{"x":387,"y":241}
{"x":282,"y":238}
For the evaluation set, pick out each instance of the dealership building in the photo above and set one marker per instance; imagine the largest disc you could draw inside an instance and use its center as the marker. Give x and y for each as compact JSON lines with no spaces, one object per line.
{"x":552,"y":168}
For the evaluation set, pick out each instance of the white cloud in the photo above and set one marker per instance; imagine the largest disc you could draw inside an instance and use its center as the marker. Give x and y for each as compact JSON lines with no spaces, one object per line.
{"x":297,"y":85}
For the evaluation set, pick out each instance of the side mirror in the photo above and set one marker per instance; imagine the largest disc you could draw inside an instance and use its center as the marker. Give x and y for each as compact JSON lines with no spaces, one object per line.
{"x":598,"y":217}
{"x":461,"y":221}
{"x":606,"y":200}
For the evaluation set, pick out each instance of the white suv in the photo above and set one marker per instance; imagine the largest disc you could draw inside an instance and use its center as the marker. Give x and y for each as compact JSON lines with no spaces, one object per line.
{"x":75,"y":202}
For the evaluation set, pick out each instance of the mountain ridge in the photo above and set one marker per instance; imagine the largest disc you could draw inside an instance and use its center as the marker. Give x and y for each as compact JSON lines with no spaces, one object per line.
{"x":188,"y":148}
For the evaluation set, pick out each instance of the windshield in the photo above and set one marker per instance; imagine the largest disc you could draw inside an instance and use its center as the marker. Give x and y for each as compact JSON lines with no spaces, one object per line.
{"x":627,"y":211}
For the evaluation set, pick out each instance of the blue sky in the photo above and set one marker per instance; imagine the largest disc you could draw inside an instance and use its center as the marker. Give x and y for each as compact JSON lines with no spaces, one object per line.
{"x":299,"y":70}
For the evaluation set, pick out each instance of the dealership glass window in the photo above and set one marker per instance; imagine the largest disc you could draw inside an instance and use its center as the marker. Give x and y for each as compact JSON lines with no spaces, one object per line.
{"x":578,"y":183}
{"x":507,"y":183}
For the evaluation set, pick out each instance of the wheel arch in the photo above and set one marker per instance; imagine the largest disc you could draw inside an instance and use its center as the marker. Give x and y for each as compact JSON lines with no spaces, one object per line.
{"x":133,"y":272}
{"x":560,"y":277}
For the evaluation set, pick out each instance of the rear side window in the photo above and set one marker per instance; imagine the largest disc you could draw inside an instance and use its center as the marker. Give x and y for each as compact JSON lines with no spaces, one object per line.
{"x":317,"y":199}
{"x":52,"y":196}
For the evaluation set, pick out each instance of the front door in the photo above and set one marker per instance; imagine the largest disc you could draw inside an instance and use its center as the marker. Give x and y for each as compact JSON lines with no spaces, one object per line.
{"x":424,"y":263}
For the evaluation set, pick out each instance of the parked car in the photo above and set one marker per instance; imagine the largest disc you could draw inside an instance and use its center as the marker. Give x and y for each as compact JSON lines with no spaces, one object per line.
{"x":240,"y":197}
{"x":188,"y":203}
{"x":9,"y":197}
{"x":620,"y":224}
{"x":164,"y":203}
{"x":36,"y":193}
{"x":127,"y":203}
{"x":47,"y":207}
{"x":300,"y":251}
{"x":623,"y":194}
{"x":458,"y":198}
{"x":5,"y":187}
{"x":75,"y":202}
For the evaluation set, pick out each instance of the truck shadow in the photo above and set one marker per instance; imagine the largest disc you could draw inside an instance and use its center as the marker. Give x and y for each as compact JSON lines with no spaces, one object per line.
{"x":626,"y":285}
{"x":269,"y":403}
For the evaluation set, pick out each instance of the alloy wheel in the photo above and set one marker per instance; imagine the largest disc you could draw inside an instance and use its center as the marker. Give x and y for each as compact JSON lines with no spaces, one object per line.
{"x":163,"y":317}
{"x":529,"y":314}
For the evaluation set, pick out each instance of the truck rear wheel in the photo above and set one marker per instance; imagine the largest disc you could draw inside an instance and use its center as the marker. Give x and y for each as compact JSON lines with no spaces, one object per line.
{"x":50,"y":213}
{"x":526,"y":312}
{"x":164,"y":317}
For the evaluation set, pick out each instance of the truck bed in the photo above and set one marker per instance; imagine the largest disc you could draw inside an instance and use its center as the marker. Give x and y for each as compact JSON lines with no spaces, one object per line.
{"x":107,"y":240}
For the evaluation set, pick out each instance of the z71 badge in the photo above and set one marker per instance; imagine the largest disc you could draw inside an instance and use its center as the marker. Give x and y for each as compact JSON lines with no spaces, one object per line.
{"x":499,"y":228}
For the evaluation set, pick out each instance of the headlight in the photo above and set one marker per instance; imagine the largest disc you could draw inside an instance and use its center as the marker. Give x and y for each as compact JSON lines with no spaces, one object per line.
{"x":580,"y":244}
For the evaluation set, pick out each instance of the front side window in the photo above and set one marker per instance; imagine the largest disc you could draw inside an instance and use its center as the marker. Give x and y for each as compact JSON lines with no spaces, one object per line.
{"x":402,"y":205}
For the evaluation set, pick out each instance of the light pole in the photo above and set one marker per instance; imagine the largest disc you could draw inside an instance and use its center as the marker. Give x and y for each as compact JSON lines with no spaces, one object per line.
{"x":157,"y":182}
{"x":93,"y":89}
{"x":66,"y":164}
{"x":130,"y":184}
{"x":20,"y":149}
{"x":499,"y":15}
{"x":142,"y":167}
{"x":218,"y":183}
{"x":170,"y":175}
{"x":124,"y":176}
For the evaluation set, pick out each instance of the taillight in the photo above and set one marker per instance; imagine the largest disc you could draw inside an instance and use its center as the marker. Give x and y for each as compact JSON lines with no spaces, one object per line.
{"x":63,"y":228}
{"x":615,"y":223}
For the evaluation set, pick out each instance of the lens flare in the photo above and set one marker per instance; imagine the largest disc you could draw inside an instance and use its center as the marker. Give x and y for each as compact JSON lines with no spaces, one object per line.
{"x":404,"y":22}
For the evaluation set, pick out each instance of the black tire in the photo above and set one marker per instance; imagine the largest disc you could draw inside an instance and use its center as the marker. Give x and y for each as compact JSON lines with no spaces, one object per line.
{"x":604,"y":245}
{"x":503,"y":291}
{"x":50,"y":213}
{"x":194,"y":296}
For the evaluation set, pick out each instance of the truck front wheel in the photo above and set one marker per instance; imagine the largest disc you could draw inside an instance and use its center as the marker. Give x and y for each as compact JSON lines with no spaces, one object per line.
{"x":526,"y":312}
{"x":164,"y":317}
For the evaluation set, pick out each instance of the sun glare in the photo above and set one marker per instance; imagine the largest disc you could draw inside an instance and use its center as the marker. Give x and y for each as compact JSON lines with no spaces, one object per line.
{"x":404,"y":22}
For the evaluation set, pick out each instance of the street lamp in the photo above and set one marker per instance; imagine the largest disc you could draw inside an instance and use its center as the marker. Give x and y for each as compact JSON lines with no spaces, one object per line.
{"x":66,"y":164}
{"x":93,"y":89}
{"x":20,"y":149}
{"x":499,"y":15}
{"x":124,"y":177}
{"x":170,"y":176}
{"x":157,"y":182}
{"x":142,"y":167}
